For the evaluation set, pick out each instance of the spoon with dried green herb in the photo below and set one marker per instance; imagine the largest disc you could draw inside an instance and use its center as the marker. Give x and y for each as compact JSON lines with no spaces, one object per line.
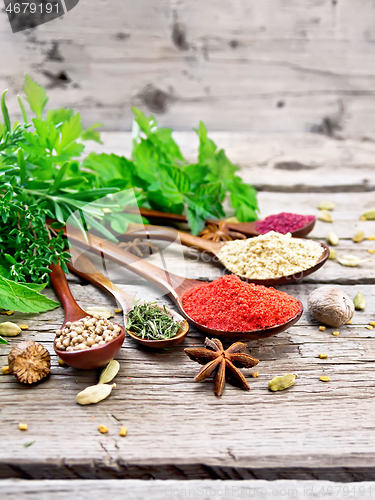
{"x":151,"y":322}
{"x":151,"y":325}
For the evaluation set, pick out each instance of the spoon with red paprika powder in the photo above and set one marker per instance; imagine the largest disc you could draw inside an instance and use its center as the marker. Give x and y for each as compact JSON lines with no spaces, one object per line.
{"x":227,"y":307}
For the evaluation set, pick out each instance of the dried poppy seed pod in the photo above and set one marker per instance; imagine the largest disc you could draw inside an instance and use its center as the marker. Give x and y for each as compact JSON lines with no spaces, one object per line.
{"x":29,"y":362}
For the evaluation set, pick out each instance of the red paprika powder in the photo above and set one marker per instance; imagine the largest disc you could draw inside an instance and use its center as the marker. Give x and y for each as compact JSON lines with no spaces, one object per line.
{"x":283,"y":223}
{"x":230,"y":304}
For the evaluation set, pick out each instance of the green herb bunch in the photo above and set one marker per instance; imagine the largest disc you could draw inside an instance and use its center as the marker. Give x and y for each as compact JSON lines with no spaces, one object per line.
{"x":166,"y":181}
{"x":150,"y":322}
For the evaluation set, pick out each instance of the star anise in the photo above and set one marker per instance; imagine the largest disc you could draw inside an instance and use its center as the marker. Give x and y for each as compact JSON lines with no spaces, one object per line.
{"x":139,"y":247}
{"x":220,"y":232}
{"x":224,"y":362}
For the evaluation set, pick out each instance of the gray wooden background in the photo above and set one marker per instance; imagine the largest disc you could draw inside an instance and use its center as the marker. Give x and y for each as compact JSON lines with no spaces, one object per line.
{"x":264,"y":66}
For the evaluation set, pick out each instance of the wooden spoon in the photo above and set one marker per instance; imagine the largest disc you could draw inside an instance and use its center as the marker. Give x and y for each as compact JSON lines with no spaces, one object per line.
{"x":84,"y":268}
{"x":168,"y":234}
{"x":168,"y":282}
{"x":89,"y":358}
{"x":246,"y":228}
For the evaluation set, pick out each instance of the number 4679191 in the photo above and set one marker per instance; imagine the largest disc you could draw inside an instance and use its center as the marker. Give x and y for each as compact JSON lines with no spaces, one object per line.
{"x":32,"y":8}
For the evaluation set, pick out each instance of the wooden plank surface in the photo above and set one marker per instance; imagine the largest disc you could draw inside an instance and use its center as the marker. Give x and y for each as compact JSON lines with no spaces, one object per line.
{"x":276,"y":162}
{"x":178,"y":429}
{"x":179,"y":490}
{"x":261,"y":66}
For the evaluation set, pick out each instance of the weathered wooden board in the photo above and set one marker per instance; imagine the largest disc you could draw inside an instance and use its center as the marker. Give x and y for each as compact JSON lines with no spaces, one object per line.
{"x":261,"y":66}
{"x":179,"y":490}
{"x":297,"y":162}
{"x":179,"y":429}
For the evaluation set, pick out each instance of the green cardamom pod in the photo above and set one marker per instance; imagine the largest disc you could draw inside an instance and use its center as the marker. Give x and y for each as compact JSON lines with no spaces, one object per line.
{"x":94,"y":394}
{"x":326,"y":205}
{"x":369,"y":215}
{"x":332,"y":239}
{"x":8,"y":329}
{"x":349,"y":260}
{"x":282,"y":382}
{"x":325,"y":216}
{"x":359,"y":237}
{"x":109,"y":372}
{"x":332,"y":254}
{"x":359,"y":302}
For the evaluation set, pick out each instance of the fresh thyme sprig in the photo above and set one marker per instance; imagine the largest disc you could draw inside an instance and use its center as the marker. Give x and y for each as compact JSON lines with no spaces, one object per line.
{"x":150,"y":322}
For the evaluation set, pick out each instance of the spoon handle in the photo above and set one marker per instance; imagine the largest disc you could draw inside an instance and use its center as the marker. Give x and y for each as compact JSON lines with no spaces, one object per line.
{"x":170,"y":234}
{"x":58,"y":279}
{"x":164,"y":279}
{"x":84,"y":268}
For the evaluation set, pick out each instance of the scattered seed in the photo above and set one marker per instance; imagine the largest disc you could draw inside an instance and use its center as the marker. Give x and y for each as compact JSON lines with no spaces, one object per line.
{"x":94,"y":394}
{"x":332,"y":254}
{"x":117,"y":310}
{"x":371,"y":238}
{"x":103,"y":429}
{"x":369,"y":215}
{"x":255,"y":374}
{"x":325,"y":216}
{"x":26,"y":445}
{"x":371,"y":250}
{"x":359,"y":302}
{"x":369,"y":327}
{"x":333,"y":239}
{"x":335,"y":333}
{"x":372,"y":323}
{"x":323,"y":356}
{"x":349,"y":260}
{"x":349,"y":322}
{"x":326,"y":205}
{"x":8,"y":329}
{"x":123,"y":431}
{"x":322,"y":328}
{"x":5,"y":370}
{"x":22,"y":427}
{"x":362,"y":217}
{"x":109,"y":372}
{"x":282,"y":382}
{"x":61,"y":362}
{"x":324,"y":378}
{"x":359,"y":237}
{"x":9,"y":313}
{"x":24,"y":327}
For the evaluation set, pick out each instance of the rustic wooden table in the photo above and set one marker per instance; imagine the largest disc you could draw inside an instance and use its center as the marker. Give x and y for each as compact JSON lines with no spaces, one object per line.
{"x":178,"y":429}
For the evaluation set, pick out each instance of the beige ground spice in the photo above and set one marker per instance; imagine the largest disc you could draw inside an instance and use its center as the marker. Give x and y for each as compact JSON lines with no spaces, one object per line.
{"x":270,"y":255}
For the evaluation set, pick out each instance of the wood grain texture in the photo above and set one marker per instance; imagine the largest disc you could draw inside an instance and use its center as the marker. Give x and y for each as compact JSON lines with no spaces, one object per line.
{"x":161,"y":490}
{"x":277,"y":163}
{"x":260,"y":66}
{"x":179,"y":429}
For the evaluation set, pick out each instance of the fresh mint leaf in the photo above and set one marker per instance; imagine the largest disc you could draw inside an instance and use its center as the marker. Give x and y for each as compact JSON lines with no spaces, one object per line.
{"x":17,"y":297}
{"x":179,"y":178}
{"x":197,"y":174}
{"x":147,"y":125}
{"x":3,"y":341}
{"x":36,"y":96}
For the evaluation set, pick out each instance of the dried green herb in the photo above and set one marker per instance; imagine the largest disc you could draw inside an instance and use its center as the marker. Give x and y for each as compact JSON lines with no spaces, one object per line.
{"x":150,"y":322}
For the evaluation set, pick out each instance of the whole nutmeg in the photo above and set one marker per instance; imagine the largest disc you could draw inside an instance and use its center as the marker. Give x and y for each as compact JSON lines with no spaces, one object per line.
{"x":29,"y":362}
{"x":330,"y":305}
